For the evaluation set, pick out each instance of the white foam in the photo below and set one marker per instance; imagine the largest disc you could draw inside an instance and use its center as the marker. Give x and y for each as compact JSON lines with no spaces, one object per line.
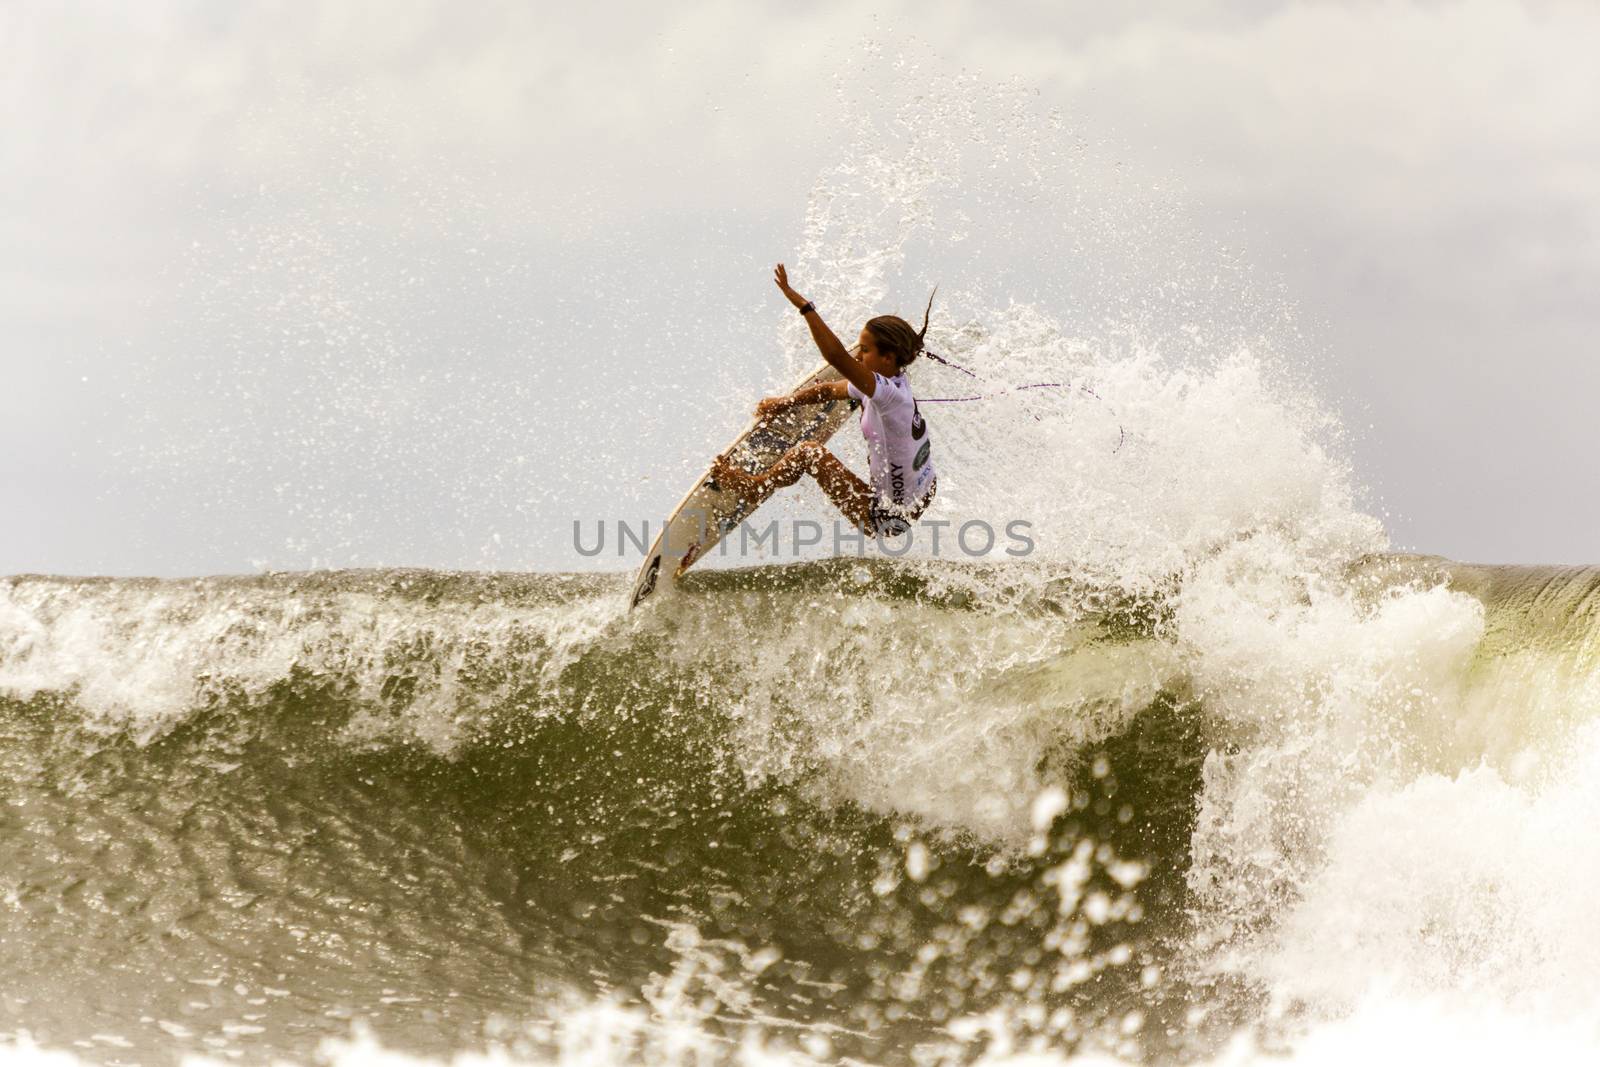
{"x":1464,"y":890}
{"x":1367,"y":832}
{"x":141,"y":657}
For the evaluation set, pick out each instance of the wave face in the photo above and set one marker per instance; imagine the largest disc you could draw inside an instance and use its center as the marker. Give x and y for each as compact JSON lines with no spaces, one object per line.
{"x":891,"y":811}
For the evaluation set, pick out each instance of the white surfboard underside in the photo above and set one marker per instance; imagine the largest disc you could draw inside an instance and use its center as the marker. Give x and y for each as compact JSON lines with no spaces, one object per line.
{"x":699,"y":521}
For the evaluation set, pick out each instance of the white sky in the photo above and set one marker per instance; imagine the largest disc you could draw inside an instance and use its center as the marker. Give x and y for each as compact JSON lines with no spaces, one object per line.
{"x":520,"y":192}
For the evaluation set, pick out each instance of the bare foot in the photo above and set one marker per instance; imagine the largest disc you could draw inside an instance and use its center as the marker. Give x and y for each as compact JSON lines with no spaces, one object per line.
{"x":732,"y":478}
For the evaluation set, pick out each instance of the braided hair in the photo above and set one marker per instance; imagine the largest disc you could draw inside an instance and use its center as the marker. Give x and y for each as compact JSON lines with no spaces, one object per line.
{"x":895,"y":336}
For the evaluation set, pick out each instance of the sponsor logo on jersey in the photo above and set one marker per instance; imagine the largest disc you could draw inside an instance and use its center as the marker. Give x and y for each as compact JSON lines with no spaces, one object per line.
{"x":922,"y":456}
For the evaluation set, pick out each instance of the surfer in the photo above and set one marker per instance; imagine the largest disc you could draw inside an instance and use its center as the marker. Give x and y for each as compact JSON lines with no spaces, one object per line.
{"x":903,"y":480}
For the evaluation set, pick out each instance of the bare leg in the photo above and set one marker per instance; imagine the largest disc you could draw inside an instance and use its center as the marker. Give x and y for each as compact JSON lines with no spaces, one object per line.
{"x":849,"y":493}
{"x":742,"y":483}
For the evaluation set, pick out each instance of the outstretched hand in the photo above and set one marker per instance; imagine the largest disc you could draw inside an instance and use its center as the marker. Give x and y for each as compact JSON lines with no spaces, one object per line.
{"x":771,"y":405}
{"x":781,"y":276}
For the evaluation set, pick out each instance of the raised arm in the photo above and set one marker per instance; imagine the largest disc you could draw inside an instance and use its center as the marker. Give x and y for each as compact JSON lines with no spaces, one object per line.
{"x":832,"y":349}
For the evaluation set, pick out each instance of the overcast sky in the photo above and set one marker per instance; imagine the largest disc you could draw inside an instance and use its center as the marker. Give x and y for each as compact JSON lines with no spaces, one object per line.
{"x":332,"y":284}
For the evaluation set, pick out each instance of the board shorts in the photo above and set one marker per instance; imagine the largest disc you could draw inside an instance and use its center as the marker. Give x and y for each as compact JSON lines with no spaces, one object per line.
{"x":886,"y":519}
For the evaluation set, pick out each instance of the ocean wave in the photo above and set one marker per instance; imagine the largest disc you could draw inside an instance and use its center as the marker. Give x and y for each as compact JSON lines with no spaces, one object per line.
{"x":1274,"y":758}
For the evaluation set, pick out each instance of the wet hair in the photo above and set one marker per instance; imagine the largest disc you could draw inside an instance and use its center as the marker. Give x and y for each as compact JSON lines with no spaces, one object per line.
{"x":896,"y":338}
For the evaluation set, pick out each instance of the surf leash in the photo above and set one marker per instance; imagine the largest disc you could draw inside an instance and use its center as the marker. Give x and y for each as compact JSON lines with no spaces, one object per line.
{"x":1122,"y":434}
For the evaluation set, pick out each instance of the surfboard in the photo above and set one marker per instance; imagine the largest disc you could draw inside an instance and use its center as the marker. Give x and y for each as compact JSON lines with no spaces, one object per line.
{"x":708,"y":511}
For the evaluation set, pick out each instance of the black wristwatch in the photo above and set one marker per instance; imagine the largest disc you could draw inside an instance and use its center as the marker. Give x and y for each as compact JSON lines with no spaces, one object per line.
{"x":807,"y":308}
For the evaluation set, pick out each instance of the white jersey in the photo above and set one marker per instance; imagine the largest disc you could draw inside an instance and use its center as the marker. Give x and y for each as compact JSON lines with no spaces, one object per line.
{"x":898,"y":445}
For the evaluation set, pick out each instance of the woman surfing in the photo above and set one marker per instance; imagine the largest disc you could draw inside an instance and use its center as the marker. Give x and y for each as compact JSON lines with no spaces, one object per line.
{"x":898,"y":446}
